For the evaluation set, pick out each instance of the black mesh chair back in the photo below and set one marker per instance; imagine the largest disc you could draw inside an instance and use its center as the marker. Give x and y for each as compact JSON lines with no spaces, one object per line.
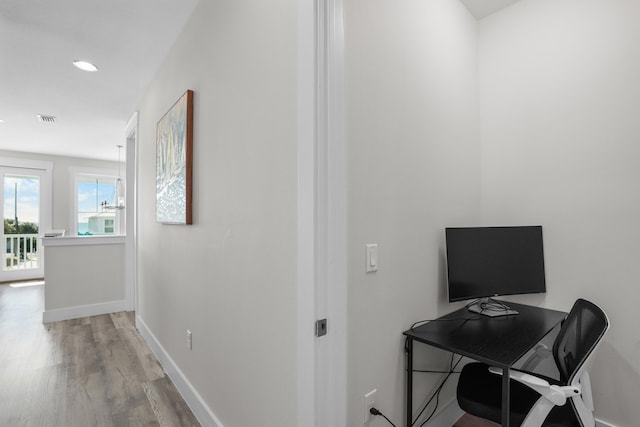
{"x":579,"y":334}
{"x":479,"y":391}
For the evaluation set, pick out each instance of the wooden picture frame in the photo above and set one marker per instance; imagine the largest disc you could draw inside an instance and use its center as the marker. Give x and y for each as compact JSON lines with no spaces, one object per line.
{"x":174,"y":163}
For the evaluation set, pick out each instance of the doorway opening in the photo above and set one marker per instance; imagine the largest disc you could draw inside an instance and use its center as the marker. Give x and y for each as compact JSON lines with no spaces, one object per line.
{"x":25,"y":207}
{"x":21,"y":213}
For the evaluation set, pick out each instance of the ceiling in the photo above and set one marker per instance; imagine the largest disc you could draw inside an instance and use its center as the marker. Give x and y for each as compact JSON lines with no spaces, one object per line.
{"x":126,"y":39}
{"x":483,"y":8}
{"x":39,"y":39}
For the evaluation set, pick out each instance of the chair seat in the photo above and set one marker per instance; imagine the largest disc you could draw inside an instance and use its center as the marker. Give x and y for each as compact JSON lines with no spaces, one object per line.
{"x":479,"y":393}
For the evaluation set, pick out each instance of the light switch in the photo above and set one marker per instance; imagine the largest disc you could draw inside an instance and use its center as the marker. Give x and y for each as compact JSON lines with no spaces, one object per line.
{"x":372,"y":258}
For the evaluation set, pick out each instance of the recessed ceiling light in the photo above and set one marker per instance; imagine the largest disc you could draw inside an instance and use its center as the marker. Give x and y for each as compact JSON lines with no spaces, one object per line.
{"x":86,"y":66}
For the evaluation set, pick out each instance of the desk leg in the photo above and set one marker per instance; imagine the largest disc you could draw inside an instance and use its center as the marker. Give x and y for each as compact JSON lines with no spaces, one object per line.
{"x":409,"y":350}
{"x":506,"y":396}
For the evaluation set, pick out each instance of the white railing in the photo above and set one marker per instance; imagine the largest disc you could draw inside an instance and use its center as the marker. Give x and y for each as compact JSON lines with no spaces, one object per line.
{"x":20,"y":251}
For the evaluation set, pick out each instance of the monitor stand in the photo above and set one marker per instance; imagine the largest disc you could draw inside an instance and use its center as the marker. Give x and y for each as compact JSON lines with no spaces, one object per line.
{"x":490,"y":307}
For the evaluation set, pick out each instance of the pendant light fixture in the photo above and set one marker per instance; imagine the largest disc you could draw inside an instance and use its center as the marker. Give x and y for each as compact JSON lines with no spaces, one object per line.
{"x":119,"y":202}
{"x":118,"y":196}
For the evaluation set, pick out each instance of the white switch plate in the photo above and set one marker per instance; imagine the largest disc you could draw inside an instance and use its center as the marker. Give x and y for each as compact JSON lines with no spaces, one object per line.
{"x":371,"y":258}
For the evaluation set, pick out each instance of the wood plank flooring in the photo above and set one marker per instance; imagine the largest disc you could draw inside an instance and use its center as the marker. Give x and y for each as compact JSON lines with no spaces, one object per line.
{"x":470,"y":421}
{"x":94,"y":371}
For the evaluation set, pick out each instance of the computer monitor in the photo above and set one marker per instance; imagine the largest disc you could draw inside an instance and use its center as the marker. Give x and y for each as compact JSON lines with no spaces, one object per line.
{"x":484,"y":262}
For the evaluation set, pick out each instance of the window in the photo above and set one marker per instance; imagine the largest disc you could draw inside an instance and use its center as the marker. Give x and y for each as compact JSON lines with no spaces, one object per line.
{"x":94,"y":196}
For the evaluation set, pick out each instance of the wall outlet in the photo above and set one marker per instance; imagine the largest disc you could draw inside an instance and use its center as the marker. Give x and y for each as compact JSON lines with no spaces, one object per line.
{"x":189,"y":340}
{"x":369,"y":402}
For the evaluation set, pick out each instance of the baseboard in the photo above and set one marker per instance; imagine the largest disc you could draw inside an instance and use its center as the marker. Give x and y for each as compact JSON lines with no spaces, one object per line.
{"x":600,"y":423}
{"x":82,"y":311}
{"x":447,"y":416}
{"x":190,"y":395}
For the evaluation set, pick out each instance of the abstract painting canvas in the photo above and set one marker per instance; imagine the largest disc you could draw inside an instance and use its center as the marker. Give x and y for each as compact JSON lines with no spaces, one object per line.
{"x":174,"y":163}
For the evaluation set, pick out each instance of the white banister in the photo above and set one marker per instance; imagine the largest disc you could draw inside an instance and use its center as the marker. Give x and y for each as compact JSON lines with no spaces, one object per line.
{"x":20,"y":251}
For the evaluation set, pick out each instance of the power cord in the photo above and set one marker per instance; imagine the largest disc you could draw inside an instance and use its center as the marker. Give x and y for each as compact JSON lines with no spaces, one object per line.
{"x":436,"y":394}
{"x":491,"y":305}
{"x":374,"y":411}
{"x":452,"y":367}
{"x":465,"y":320}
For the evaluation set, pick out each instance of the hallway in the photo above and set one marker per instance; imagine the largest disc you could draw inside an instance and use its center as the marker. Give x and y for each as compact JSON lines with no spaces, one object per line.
{"x":94,"y":371}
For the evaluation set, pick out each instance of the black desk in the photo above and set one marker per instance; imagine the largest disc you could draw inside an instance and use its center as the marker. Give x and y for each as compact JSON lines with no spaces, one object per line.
{"x":498,"y":341}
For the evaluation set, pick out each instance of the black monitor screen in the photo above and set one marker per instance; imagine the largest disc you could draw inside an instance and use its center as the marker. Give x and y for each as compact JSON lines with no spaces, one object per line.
{"x":490,"y":261}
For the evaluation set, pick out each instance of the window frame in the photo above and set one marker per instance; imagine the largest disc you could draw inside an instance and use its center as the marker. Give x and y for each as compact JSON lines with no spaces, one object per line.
{"x":78,"y":173}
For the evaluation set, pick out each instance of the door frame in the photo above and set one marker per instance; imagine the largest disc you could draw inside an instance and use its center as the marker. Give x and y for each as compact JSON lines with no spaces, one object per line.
{"x":131,"y":214}
{"x":322,"y":215}
{"x":46,"y":205}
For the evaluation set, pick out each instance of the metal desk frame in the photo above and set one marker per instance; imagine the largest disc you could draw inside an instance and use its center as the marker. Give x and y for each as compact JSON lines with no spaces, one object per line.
{"x":498,"y":341}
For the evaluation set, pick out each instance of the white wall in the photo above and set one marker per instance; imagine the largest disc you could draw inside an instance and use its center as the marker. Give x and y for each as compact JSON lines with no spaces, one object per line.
{"x":84,"y":276}
{"x":555,"y":147}
{"x":560,"y":130}
{"x":230,"y":277}
{"x":413,"y":169}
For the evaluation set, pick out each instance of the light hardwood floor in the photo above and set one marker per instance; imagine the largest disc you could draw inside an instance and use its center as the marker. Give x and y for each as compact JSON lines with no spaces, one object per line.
{"x":94,"y":371}
{"x":471,"y":421}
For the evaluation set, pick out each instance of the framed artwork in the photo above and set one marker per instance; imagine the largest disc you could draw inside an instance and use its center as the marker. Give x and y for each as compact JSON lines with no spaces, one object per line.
{"x":174,"y":162}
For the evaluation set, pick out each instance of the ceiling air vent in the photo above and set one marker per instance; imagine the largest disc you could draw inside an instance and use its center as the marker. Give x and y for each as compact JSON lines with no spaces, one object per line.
{"x":45,"y":118}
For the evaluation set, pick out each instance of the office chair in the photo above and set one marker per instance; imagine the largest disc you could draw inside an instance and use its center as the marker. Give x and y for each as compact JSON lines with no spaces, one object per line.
{"x":537,"y":400}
